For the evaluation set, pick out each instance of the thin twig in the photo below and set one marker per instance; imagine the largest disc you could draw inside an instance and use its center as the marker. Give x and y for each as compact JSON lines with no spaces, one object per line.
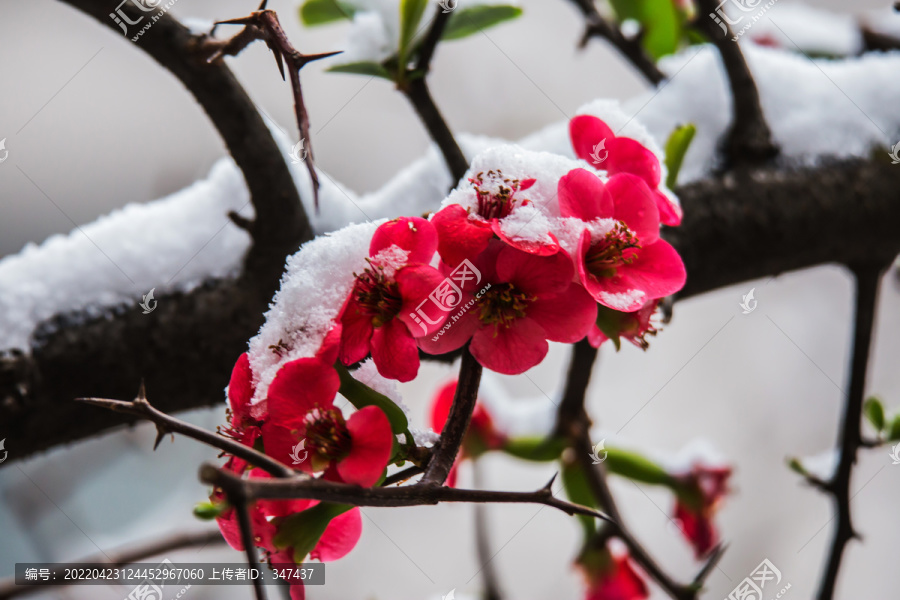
{"x":401,"y":476}
{"x":157,"y":547}
{"x":597,"y":26}
{"x":749,"y":141}
{"x":867,"y":280}
{"x":166,"y":424}
{"x":420,"y":494}
{"x":445,"y":451}
{"x":483,"y":542}
{"x":416,"y":91}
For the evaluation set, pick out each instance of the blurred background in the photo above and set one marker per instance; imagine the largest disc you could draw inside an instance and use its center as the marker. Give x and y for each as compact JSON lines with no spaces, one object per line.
{"x":98,"y":124}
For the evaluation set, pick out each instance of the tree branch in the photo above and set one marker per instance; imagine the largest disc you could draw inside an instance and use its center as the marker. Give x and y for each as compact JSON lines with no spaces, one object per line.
{"x":445,"y":451}
{"x":483,"y":542}
{"x":749,"y":141}
{"x":867,"y":280}
{"x":597,"y":26}
{"x":157,"y":547}
{"x":420,"y":494}
{"x":166,"y":424}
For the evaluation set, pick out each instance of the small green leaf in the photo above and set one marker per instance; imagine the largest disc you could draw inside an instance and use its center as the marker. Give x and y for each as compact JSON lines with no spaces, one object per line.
{"x":207,"y":511}
{"x":636,"y":467}
{"x":676,"y":147}
{"x":360,"y":395}
{"x":611,"y":323}
{"x":894,"y":429}
{"x":660,"y":21}
{"x":797,"y":466}
{"x":363,"y":68}
{"x":302,"y":531}
{"x":874,"y":412}
{"x":320,"y":12}
{"x":579,"y":491}
{"x":538,"y":449}
{"x":411,"y":12}
{"x":466,"y":21}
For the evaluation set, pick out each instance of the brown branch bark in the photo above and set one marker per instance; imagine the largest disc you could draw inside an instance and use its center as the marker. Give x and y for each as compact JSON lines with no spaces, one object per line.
{"x":597,"y":26}
{"x":171,"y":543}
{"x":867,"y":279}
{"x":748,"y":141}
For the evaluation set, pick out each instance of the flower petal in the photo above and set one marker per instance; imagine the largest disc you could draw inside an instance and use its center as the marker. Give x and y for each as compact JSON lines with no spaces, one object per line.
{"x":455,"y":333}
{"x":416,"y":282}
{"x":670,"y":213}
{"x":635,"y":206}
{"x":510,"y":350}
{"x":298,"y":387}
{"x":582,"y":195}
{"x":356,"y":331}
{"x":657,"y":271}
{"x":395,"y":352}
{"x":630,"y":156}
{"x":566,"y":317}
{"x":532,"y":274}
{"x":459,"y":237}
{"x":586,"y":132}
{"x":240,"y":389}
{"x":372,"y":443}
{"x":340,"y":536}
{"x":414,"y":234}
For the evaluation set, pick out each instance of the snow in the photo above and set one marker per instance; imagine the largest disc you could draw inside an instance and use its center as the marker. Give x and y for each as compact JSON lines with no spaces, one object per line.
{"x":174,"y":243}
{"x":812,"y":30}
{"x":622,"y":300}
{"x":822,"y":465}
{"x":317,"y":280}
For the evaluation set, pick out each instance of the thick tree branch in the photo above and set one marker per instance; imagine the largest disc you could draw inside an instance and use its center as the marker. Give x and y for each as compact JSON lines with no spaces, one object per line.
{"x":867,"y":279}
{"x":748,"y":141}
{"x":445,"y":451}
{"x":420,"y":494}
{"x":158,"y":547}
{"x":597,"y":26}
{"x":166,"y":424}
{"x":736,"y":228}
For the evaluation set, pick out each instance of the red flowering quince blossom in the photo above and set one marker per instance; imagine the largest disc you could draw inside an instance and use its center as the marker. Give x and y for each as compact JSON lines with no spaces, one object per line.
{"x":621,"y":259}
{"x":244,"y":428}
{"x":481,"y":435}
{"x":463,"y":233}
{"x":530,"y":299}
{"x":376,"y":316}
{"x":301,"y":407}
{"x":633,"y":326}
{"x":611,"y":576}
{"x":698,"y":497}
{"x":595,"y":142}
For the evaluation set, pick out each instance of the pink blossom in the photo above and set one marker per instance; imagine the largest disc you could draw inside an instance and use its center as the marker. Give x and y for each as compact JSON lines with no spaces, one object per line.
{"x":698,"y":496}
{"x":621,"y":260}
{"x":611,"y":576}
{"x":596,"y":143}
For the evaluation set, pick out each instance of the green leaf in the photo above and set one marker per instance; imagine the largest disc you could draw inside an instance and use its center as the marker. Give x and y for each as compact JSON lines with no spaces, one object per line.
{"x":360,"y":395}
{"x":797,"y":466}
{"x":874,"y":412}
{"x":676,"y":147}
{"x":538,"y":449}
{"x":579,"y":491}
{"x":302,"y":531}
{"x":207,"y":511}
{"x":320,"y":12}
{"x":636,"y":467}
{"x":411,"y":12}
{"x":466,"y":21}
{"x":894,"y":429}
{"x":661,"y":23}
{"x":363,"y":68}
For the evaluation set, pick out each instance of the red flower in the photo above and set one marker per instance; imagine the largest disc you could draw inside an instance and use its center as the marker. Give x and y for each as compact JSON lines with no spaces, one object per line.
{"x":611,"y":576}
{"x":596,"y":143}
{"x":633,"y":326}
{"x":525,"y":300}
{"x":244,"y":428}
{"x":621,"y":259}
{"x":698,"y":497}
{"x":465,"y":233}
{"x":301,"y":409}
{"x":376,"y":317}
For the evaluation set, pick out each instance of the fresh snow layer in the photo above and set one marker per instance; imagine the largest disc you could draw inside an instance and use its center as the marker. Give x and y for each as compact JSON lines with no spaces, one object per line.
{"x":811,"y":30}
{"x":171,"y":244}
